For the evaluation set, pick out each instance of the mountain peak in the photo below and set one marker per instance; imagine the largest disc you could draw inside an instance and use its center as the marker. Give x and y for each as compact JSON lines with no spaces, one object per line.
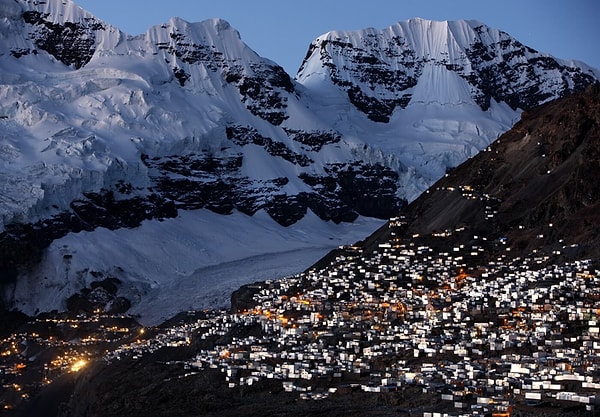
{"x":53,"y":32}
{"x":220,"y":24}
{"x":215,"y":24}
{"x":379,"y":70}
{"x":191,"y":38}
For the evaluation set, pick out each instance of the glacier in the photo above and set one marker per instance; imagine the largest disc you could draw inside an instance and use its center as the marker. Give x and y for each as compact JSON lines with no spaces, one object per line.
{"x":191,"y":262}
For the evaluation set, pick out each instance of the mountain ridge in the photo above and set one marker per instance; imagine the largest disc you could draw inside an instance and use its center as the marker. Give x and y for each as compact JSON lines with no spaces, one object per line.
{"x":102,"y":130}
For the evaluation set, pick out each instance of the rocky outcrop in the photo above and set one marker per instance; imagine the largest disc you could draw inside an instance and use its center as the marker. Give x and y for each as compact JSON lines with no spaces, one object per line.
{"x":497,"y":70}
{"x":23,"y":244}
{"x":72,"y":43}
{"x":262,"y":91}
{"x":344,"y":192}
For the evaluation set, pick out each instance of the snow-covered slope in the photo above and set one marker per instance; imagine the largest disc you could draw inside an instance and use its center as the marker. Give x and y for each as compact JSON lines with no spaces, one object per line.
{"x":101,"y":131}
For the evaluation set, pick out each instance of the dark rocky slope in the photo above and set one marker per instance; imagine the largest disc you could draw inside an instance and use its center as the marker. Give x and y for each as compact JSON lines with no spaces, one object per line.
{"x":535,"y":188}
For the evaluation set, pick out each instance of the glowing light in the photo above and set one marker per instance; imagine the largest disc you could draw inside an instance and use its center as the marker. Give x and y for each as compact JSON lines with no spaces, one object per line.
{"x":77,"y":366}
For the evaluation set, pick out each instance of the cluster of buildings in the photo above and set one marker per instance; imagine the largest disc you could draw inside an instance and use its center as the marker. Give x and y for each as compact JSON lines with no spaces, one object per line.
{"x":484,"y":339}
{"x":477,"y":337}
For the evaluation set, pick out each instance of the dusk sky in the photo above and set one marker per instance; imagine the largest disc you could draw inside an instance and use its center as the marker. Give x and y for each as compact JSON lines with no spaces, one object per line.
{"x":282,"y":31}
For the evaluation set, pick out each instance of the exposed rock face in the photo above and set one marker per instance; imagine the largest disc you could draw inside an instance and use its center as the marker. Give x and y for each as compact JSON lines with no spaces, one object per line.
{"x":365,"y":63}
{"x":102,"y":295}
{"x":499,"y":68}
{"x":72,"y":43}
{"x":261,"y":93}
{"x":341,"y":194}
{"x":23,"y":244}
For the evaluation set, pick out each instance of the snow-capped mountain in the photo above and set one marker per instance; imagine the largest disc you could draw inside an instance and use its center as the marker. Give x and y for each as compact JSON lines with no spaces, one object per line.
{"x":102,"y":131}
{"x":439,"y":92}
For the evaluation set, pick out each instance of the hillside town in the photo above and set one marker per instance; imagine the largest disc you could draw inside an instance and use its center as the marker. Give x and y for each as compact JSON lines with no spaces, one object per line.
{"x":484,"y":340}
{"x":478,"y":335}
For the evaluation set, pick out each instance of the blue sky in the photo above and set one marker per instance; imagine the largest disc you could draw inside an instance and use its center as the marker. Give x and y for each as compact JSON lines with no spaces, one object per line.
{"x":282,"y":30}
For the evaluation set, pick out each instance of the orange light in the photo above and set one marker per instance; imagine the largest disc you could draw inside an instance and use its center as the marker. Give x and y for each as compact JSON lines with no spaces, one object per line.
{"x":78,"y":365}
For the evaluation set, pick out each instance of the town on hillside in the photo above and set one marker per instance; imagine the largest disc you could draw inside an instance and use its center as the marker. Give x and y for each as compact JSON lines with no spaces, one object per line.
{"x":476,"y":331}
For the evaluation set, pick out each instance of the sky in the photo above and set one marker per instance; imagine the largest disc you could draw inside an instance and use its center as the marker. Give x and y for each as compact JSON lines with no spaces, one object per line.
{"x":282,"y":31}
